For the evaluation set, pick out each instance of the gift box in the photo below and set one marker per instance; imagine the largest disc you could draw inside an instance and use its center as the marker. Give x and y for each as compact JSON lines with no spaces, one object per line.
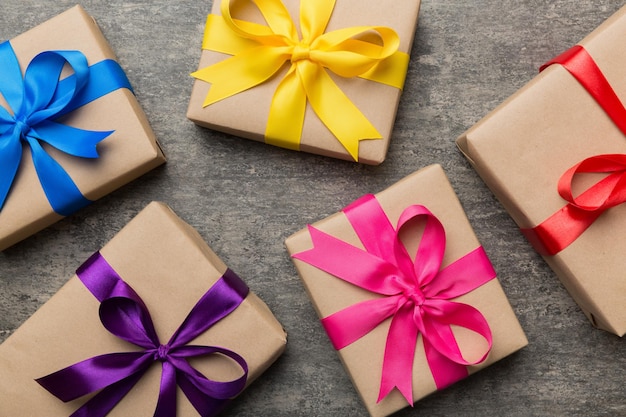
{"x":170,"y":268}
{"x":82,"y":125}
{"x":357,"y":266}
{"x":330,"y":87}
{"x":530,"y":152}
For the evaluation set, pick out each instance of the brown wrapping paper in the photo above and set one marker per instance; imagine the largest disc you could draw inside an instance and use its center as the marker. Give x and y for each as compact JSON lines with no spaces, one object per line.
{"x":523,"y":147}
{"x":129,"y":152}
{"x":169,"y":265}
{"x":363,"y":359}
{"x":246,"y":113}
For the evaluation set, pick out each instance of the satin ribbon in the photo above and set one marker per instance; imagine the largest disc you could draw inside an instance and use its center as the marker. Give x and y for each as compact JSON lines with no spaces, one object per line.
{"x":125,"y":315}
{"x":417,"y":295}
{"x":36,"y":101}
{"x":260,"y":51}
{"x":566,"y":225}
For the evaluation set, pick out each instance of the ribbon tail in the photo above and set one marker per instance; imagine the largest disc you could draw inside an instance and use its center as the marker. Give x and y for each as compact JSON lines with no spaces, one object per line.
{"x":166,"y":404}
{"x":71,"y":140}
{"x":240,"y":72}
{"x":364,"y":269}
{"x":399,"y":354}
{"x":103,"y":402}
{"x":10,"y":159}
{"x":286,"y":117}
{"x":335,"y":109}
{"x":61,"y":191}
{"x":205,"y":405}
{"x":444,"y":371}
{"x":94,"y":374}
{"x":350,"y":324}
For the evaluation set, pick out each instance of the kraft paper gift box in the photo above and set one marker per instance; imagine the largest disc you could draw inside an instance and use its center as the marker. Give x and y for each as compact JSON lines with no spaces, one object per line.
{"x":363,"y":358}
{"x":247,"y":113}
{"x":170,"y":267}
{"x":523,"y":147}
{"x":130,"y":151}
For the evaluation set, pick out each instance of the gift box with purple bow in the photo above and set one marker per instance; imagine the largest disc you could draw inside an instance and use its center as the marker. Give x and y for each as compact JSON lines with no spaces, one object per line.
{"x":152,"y":324}
{"x":405,"y":292}
{"x":71,"y":129}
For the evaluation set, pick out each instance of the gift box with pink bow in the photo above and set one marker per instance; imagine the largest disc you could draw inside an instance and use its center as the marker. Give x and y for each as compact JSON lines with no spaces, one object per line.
{"x":320,"y":76}
{"x":154,"y":323}
{"x":554,"y":154}
{"x":405,"y":292}
{"x":71,"y":129}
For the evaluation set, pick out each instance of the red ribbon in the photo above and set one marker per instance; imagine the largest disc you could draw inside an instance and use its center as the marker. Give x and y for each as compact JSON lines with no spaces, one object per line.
{"x":566,"y":225}
{"x":417,"y":295}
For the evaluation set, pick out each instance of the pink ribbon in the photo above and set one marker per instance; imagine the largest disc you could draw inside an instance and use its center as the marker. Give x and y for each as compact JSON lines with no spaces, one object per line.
{"x":416,"y":294}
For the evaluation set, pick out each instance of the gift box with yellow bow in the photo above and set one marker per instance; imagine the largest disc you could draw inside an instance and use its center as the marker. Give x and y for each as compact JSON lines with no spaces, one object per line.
{"x":71,"y":130}
{"x":155,"y":281}
{"x":320,"y":76}
{"x":405,"y":292}
{"x":553,"y":154}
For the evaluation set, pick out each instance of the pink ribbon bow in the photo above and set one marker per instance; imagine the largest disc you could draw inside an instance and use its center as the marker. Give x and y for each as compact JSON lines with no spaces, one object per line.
{"x":415,"y":294}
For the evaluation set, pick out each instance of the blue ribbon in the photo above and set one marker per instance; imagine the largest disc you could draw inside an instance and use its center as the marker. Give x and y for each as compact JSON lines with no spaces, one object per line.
{"x":36,"y":100}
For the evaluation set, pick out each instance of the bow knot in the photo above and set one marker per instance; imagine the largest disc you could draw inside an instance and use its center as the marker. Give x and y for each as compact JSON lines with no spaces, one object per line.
{"x":162,"y":352}
{"x":301,"y":52}
{"x":260,"y":51}
{"x":22,"y":129}
{"x":417,"y":295}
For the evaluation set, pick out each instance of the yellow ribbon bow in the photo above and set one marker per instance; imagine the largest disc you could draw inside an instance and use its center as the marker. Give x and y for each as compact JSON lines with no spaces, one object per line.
{"x":260,"y":51}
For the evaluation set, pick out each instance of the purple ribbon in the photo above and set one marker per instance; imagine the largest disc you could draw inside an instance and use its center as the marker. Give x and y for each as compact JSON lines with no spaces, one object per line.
{"x":124,"y":314}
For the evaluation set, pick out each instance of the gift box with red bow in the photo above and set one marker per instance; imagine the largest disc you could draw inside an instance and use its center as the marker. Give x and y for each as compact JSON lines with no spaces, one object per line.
{"x":554,"y":155}
{"x":405,"y":292}
{"x":71,"y":130}
{"x":320,"y":76}
{"x":153,"y":321}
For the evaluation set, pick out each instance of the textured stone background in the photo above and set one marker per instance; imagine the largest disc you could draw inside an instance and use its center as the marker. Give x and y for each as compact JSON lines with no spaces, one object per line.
{"x":245,"y":198}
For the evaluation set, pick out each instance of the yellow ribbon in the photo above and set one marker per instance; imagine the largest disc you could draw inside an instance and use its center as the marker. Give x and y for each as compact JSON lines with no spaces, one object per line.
{"x":260,"y":51}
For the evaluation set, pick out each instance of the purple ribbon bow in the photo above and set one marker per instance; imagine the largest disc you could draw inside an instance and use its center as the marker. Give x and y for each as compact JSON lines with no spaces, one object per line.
{"x":125,"y":315}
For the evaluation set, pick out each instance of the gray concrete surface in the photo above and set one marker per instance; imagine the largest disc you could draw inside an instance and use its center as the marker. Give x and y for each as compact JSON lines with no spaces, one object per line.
{"x":246,"y":197}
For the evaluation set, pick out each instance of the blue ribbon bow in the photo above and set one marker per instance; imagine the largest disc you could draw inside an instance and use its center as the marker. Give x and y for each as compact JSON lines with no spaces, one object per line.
{"x":36,"y":101}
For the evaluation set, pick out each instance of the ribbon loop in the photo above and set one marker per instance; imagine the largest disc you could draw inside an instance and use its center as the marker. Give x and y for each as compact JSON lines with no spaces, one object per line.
{"x":416,"y":294}
{"x":347,"y":52}
{"x":35,"y":101}
{"x":125,"y":315}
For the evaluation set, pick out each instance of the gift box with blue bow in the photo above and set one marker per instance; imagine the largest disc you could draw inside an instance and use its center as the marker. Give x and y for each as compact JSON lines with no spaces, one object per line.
{"x":71,"y":129}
